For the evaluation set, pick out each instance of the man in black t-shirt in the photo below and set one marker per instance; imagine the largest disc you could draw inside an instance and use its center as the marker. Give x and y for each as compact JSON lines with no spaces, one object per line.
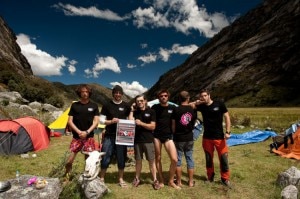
{"x":213,"y":136}
{"x":143,"y":141}
{"x":163,"y":136}
{"x":183,"y":122}
{"x":113,"y":111}
{"x":83,"y":119}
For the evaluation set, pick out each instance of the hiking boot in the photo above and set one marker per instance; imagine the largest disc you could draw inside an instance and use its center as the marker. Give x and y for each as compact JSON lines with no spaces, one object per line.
{"x":226,"y":183}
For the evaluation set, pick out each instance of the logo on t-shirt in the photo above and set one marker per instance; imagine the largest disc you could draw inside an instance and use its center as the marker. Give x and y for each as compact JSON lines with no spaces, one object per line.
{"x":121,"y":109}
{"x":216,"y":109}
{"x":90,"y":109}
{"x":170,"y":111}
{"x":185,"y":119}
{"x":147,"y":115}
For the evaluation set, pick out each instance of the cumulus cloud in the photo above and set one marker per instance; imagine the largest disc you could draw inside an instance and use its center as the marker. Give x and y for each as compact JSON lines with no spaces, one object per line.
{"x":42,"y":63}
{"x":103,"y":63}
{"x":183,"y":15}
{"x":71,"y":67}
{"x":132,"y":90}
{"x":146,"y":59}
{"x":92,"y":11}
{"x":164,"y":54}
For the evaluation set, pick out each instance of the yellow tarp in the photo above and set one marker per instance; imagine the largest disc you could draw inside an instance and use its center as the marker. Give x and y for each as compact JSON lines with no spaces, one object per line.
{"x":60,"y":123}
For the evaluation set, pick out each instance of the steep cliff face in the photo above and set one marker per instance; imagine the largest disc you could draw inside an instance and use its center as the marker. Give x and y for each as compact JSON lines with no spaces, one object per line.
{"x":10,"y":52}
{"x":252,"y":62}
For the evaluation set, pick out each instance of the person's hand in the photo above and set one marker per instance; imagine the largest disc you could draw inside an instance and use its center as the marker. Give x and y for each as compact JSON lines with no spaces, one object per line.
{"x":133,"y":107}
{"x":227,"y":136}
{"x":82,"y":134}
{"x":114,"y":120}
{"x":138,"y":122}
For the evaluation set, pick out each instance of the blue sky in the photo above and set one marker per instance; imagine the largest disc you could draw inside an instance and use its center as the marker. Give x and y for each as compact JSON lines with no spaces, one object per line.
{"x":109,"y":42}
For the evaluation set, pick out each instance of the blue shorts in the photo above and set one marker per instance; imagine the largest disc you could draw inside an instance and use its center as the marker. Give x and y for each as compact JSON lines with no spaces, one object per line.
{"x":187,"y":149}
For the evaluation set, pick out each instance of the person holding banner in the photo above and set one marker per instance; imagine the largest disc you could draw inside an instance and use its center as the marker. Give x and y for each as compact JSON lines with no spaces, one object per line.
{"x":110,"y":114}
{"x":143,"y":142}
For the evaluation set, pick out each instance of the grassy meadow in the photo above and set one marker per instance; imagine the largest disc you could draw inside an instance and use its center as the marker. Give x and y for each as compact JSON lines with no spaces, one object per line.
{"x":254,"y":169}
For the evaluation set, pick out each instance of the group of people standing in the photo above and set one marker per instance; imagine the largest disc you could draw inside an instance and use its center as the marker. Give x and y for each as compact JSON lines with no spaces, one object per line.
{"x":163,"y":124}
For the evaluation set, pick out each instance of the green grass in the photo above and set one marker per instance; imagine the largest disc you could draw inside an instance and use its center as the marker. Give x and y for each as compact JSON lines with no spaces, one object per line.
{"x":254,"y":169}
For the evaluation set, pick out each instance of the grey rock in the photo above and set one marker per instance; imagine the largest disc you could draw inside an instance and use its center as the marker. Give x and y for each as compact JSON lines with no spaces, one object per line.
{"x":289,"y":192}
{"x":22,"y":190}
{"x":289,"y":177}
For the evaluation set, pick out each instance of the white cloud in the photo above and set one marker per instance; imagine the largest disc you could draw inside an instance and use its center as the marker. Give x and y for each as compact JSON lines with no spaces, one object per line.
{"x":92,"y":11}
{"x":42,"y":63}
{"x":149,"y":16}
{"x":176,"y":48}
{"x":130,"y":66}
{"x":143,"y":46}
{"x":103,"y":63}
{"x":133,"y":89}
{"x":71,"y":67}
{"x":165,"y":54}
{"x":146,"y":59}
{"x":183,"y":15}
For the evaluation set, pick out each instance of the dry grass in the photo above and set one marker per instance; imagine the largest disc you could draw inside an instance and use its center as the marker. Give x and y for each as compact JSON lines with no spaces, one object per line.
{"x":254,"y":169}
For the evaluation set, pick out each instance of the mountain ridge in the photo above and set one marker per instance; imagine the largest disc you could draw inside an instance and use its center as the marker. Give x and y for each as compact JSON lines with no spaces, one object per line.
{"x":252,"y":62}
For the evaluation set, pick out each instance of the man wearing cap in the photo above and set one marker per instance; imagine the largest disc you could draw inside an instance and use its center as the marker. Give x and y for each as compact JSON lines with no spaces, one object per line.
{"x":113,"y":111}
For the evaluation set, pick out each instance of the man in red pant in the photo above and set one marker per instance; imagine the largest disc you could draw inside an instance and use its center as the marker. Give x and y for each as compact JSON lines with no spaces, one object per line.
{"x":213,"y":136}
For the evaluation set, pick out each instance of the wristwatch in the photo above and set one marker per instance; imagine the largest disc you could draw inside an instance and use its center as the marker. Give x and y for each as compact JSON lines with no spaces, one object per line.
{"x":228,"y":132}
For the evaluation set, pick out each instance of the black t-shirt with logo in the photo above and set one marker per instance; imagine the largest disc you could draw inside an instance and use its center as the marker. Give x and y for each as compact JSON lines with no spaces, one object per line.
{"x":143,"y":135}
{"x":185,"y":117}
{"x":112,"y":110}
{"x":213,"y":119}
{"x":83,"y":116}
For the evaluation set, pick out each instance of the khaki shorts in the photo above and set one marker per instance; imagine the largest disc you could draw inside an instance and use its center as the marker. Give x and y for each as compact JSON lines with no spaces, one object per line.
{"x":147,"y":148}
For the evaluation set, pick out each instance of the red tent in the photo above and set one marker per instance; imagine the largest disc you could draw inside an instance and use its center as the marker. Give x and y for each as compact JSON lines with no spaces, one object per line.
{"x":23,"y":135}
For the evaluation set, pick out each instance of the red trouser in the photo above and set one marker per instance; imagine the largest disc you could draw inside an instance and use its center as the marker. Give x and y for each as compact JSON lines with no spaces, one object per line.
{"x":220,"y":145}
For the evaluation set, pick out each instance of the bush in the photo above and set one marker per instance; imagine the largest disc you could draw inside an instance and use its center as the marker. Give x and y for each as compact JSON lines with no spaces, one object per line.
{"x":5,"y":102}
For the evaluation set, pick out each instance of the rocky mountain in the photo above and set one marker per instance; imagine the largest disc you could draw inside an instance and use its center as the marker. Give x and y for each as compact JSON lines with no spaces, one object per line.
{"x":10,"y":52}
{"x":16,"y":75}
{"x":252,"y":62}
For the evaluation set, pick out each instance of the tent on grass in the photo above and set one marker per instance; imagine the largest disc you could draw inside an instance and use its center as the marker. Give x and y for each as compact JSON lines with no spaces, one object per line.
{"x":23,"y":135}
{"x":60,"y":124}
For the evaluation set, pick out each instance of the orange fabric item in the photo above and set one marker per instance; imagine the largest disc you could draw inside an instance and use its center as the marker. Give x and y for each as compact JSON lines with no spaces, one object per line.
{"x":292,"y":150}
